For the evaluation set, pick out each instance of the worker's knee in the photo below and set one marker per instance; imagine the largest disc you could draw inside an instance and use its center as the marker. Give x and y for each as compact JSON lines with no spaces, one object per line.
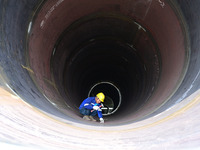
{"x":85,"y":111}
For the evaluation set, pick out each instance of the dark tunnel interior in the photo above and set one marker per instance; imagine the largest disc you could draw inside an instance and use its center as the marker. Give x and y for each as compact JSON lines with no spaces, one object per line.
{"x":137,"y":52}
{"x":110,"y":42}
{"x":94,"y":52}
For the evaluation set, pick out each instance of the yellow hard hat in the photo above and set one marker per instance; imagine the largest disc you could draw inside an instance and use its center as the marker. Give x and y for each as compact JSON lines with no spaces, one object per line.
{"x":101,"y":96}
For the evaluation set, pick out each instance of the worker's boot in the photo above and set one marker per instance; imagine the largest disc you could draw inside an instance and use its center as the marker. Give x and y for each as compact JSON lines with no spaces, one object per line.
{"x":91,"y":118}
{"x":86,"y":118}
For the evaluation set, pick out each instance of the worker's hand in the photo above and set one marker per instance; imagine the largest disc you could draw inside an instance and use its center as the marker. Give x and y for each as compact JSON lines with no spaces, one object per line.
{"x":95,"y":107}
{"x":101,"y":120}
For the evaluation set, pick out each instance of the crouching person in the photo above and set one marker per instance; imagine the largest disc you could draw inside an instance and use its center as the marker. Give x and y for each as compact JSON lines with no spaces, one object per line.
{"x":91,"y":106}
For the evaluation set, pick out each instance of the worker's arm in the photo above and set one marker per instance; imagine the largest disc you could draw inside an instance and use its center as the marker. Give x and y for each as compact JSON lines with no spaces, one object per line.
{"x":99,"y":111}
{"x":100,"y":116}
{"x":87,"y":104}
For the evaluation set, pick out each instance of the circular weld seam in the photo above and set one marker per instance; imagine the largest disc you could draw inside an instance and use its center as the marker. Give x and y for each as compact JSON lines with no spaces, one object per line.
{"x":120,"y":96}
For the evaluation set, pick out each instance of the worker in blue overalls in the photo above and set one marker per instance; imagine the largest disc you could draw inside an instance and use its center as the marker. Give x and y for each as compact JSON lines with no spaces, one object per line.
{"x":91,"y":106}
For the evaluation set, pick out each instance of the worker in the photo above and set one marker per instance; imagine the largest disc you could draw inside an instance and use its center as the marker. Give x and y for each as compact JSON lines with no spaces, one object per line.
{"x":91,"y":106}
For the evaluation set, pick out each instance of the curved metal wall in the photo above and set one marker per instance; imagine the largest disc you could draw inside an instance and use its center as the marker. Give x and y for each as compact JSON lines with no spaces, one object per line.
{"x":46,"y":46}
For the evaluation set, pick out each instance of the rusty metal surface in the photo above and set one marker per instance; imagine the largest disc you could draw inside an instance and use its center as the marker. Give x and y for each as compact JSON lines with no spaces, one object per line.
{"x":159,"y":19}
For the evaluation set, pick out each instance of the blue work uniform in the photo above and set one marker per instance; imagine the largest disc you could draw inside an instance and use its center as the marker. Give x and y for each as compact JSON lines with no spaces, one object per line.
{"x":86,"y":107}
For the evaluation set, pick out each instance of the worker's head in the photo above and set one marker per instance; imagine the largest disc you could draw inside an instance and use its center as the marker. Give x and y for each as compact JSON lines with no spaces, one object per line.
{"x":100,"y":97}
